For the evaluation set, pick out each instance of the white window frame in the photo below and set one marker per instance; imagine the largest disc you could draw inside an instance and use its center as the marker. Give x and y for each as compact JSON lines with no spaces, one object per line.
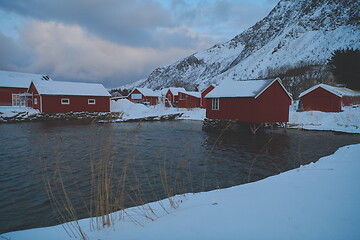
{"x":215,"y":104}
{"x":136,"y":96}
{"x":91,"y":101}
{"x":35,"y":101}
{"x":16,"y":100}
{"x":65,"y":101}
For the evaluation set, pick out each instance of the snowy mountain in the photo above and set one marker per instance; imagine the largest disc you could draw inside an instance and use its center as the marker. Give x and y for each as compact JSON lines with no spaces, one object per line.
{"x":296,"y":32}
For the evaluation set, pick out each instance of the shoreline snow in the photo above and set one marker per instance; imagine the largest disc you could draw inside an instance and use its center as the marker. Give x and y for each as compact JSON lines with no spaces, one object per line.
{"x":14,"y":112}
{"x":133,"y":111}
{"x":315,"y":201}
{"x":347,"y":121}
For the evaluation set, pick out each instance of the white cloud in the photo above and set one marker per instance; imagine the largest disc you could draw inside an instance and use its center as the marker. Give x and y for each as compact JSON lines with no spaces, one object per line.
{"x":115,"y":41}
{"x":69,"y":52}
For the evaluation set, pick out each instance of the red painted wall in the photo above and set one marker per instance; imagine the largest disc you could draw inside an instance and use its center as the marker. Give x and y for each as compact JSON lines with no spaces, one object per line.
{"x":36,"y":95}
{"x":170,"y":96}
{"x":188,"y":101}
{"x":151,"y":100}
{"x":271,"y":106}
{"x":348,"y":101}
{"x":6,"y":95}
{"x":321,"y":100}
{"x":204,"y":93}
{"x":52,"y":103}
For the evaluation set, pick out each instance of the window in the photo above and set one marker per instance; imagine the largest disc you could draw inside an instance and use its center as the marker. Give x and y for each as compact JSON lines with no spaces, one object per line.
{"x":18,"y":100}
{"x":91,"y":101}
{"x":215,"y":104}
{"x":65,"y":101}
{"x":136,"y":96}
{"x":35,"y":101}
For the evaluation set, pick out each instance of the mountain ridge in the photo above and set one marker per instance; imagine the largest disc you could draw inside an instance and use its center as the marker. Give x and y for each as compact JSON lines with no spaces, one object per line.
{"x":295,"y":32}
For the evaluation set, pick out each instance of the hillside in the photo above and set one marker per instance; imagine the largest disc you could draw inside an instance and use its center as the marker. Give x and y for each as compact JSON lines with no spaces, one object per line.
{"x":296,"y":32}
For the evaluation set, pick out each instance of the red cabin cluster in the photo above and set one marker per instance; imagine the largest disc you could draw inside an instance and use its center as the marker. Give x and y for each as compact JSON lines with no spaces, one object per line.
{"x":172,"y":96}
{"x":189,"y":99}
{"x":144,"y":95}
{"x":327,"y":98}
{"x":252,"y":101}
{"x":48,"y":96}
{"x":14,"y":85}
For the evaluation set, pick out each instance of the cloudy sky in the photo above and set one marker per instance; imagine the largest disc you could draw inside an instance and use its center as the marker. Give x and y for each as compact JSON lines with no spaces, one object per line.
{"x":115,"y":42}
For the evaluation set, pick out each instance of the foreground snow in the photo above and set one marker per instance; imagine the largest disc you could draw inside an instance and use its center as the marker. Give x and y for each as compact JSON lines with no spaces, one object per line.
{"x":135,"y":111}
{"x":346,"y":121}
{"x":316,"y":201}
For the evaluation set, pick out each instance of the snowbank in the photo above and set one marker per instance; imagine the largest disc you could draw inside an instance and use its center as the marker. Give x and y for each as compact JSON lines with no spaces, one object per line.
{"x":134,"y":111}
{"x":12,"y":111}
{"x":346,"y":121}
{"x":316,"y":201}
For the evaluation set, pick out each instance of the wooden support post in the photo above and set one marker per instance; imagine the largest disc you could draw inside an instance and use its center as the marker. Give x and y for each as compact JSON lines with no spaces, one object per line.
{"x":255,"y":128}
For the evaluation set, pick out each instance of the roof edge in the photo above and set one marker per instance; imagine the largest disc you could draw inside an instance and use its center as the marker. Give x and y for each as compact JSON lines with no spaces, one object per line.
{"x":319,"y":86}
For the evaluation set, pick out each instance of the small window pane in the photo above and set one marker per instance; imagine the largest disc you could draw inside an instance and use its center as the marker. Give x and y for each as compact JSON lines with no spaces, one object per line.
{"x":136,"y":96}
{"x":215,"y":104}
{"x":65,"y":101}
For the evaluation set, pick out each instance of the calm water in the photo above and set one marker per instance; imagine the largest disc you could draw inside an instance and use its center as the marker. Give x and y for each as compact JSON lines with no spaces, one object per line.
{"x":179,"y":152}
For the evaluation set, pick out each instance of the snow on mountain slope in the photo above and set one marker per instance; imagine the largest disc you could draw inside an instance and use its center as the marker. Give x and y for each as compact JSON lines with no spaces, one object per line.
{"x":295,"y":32}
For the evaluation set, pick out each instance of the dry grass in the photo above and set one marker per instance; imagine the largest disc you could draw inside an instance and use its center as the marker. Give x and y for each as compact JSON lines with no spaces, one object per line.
{"x":111,"y":190}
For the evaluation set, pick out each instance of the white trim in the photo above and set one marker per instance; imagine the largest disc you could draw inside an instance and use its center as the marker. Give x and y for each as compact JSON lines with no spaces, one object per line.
{"x":64,"y":99}
{"x":41,"y":104}
{"x":215,"y":104}
{"x":35,"y":101}
{"x":337,"y":91}
{"x":93,"y":101}
{"x":136,"y":96}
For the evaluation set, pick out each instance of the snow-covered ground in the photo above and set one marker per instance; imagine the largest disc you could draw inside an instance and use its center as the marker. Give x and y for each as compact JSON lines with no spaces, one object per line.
{"x":134,"y":110}
{"x":346,"y":121}
{"x":316,"y":201}
{"x":11,"y":111}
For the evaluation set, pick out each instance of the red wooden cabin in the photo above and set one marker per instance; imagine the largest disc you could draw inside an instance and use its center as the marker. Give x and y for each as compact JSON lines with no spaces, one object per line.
{"x":327,"y":98}
{"x":253,"y":101}
{"x":189,"y":99}
{"x":13,"y":85}
{"x":172,"y":95}
{"x":144,"y":95}
{"x":61,"y":97}
{"x":204,"y":93}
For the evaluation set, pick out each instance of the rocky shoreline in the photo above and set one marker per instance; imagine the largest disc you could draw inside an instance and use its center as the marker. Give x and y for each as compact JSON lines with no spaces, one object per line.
{"x":102,"y":117}
{"x":26,"y":117}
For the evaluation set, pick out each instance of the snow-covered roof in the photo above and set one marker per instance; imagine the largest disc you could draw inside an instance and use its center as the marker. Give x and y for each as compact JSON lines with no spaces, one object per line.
{"x":19,"y":80}
{"x":175,"y":91}
{"x":338,"y":91}
{"x":194,"y":94}
{"x":70,"y":88}
{"x":164,"y":91}
{"x":148,"y":92}
{"x":244,"y":88}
